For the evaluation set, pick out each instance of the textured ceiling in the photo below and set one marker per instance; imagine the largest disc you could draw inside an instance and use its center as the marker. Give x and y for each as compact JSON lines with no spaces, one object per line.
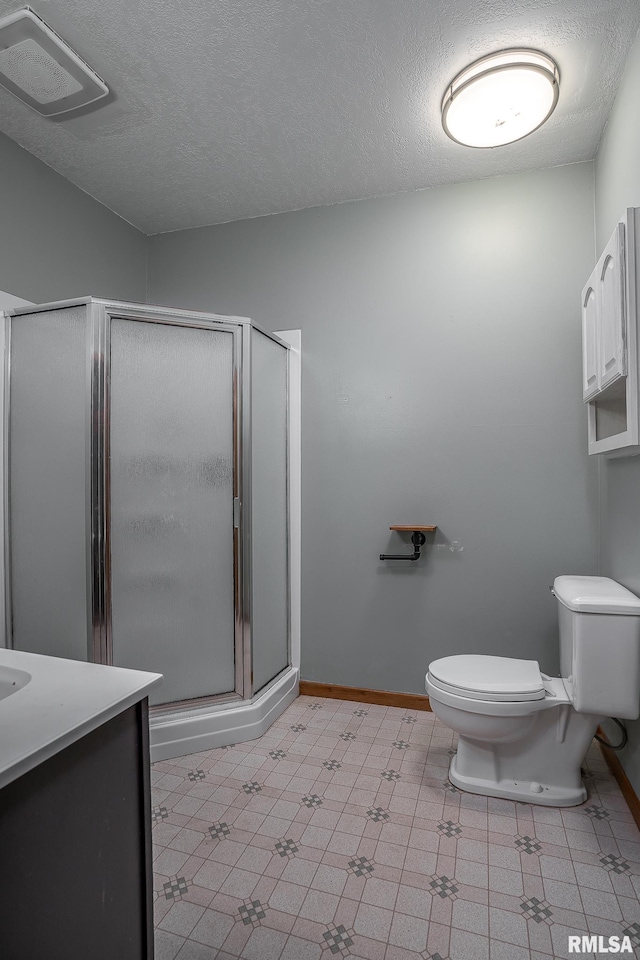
{"x":226,"y":109}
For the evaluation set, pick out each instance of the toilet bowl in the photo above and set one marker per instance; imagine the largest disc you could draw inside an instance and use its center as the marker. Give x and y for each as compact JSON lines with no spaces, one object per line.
{"x":523,"y":749}
{"x":523,"y":735}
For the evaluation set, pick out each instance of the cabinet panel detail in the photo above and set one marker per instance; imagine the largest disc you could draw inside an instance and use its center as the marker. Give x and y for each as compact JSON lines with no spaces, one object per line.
{"x":589,"y":339}
{"x":612,"y":310}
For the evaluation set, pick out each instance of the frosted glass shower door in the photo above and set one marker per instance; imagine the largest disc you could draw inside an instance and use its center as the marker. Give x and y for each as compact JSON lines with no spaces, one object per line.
{"x":269,"y":510}
{"x":172,"y":427}
{"x":47,"y":515}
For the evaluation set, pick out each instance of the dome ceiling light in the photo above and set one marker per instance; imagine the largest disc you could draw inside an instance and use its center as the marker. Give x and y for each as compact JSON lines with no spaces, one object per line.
{"x":500,"y":98}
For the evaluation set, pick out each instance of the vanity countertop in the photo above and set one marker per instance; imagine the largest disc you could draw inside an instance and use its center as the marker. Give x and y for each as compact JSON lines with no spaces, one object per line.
{"x":60,"y":702}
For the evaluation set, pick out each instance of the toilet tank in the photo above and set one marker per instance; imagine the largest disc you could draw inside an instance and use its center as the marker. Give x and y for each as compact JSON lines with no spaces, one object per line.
{"x":599,"y":622}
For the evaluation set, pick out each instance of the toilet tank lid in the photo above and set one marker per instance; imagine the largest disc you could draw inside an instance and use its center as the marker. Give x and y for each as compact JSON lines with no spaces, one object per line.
{"x":596,"y":595}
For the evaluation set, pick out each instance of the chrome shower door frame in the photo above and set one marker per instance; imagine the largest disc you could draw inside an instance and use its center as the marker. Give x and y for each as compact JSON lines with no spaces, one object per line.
{"x":98,"y":315}
{"x":248,"y":500}
{"x":6,"y":455}
{"x":8,"y":320}
{"x":98,"y":485}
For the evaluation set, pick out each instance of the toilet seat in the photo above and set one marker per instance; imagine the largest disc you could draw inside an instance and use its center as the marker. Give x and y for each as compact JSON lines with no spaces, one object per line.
{"x":493,"y":679}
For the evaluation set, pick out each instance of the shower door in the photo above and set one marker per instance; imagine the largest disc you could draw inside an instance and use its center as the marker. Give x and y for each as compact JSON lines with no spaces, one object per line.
{"x":171,"y":477}
{"x":147,"y":495}
{"x":47,"y":592}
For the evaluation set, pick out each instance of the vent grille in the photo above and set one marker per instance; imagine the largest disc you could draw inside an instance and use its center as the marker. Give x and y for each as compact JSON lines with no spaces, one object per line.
{"x":32,"y":69}
{"x":38,"y":67}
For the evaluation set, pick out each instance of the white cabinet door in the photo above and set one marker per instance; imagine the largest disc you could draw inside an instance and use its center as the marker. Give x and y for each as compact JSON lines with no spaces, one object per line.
{"x":611,"y":309}
{"x":590,"y":385}
{"x":610,"y":338}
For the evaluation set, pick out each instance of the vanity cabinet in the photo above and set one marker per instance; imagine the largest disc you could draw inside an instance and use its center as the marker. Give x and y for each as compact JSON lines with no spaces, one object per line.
{"x":610,"y":343}
{"x":75,"y":812}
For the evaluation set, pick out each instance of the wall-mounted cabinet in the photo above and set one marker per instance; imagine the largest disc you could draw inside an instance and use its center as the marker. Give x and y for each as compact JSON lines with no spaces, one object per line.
{"x":610,"y":343}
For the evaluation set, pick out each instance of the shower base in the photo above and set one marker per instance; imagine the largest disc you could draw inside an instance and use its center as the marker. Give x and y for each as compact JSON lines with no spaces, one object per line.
{"x":191,"y":731}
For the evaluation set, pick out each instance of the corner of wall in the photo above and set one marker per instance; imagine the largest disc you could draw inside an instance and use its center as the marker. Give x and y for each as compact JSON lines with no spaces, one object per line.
{"x":146,"y":268}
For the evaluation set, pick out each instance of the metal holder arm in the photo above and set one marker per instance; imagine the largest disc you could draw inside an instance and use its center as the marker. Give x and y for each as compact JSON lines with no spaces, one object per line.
{"x":417,"y":539}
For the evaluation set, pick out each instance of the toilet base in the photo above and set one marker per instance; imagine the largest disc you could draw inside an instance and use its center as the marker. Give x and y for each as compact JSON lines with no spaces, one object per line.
{"x":526,"y":790}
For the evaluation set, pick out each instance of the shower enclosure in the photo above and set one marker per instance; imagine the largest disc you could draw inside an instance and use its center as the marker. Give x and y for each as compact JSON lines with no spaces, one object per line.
{"x":146,"y":503}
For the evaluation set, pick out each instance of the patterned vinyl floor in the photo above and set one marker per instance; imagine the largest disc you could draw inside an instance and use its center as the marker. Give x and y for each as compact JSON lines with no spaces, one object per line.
{"x":337,"y":834}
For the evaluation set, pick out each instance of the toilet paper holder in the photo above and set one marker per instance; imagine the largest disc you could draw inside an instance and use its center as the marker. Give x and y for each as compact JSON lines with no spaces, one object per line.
{"x":418,"y":539}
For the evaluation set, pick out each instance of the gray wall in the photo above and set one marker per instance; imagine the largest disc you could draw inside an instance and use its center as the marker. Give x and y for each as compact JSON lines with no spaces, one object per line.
{"x":441,"y":384}
{"x":57,"y":242}
{"x":618,"y":186}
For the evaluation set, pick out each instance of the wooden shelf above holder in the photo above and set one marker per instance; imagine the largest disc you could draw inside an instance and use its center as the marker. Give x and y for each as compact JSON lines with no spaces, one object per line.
{"x":417,"y":526}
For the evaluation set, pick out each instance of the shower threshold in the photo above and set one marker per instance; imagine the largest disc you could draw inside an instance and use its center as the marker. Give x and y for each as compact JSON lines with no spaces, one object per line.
{"x":177,"y":733}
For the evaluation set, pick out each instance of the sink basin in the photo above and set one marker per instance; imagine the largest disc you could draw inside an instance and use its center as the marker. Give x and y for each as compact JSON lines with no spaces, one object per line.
{"x":12,"y":680}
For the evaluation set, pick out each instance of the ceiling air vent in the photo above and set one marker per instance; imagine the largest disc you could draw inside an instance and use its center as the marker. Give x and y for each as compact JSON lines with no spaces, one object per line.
{"x":39,"y":68}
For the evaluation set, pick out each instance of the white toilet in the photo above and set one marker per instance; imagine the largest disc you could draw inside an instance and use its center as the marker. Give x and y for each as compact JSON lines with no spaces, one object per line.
{"x":523,"y":735}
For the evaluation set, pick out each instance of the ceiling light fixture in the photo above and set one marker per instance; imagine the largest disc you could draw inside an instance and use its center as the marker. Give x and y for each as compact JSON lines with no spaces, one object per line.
{"x":39,"y":68}
{"x":501,"y":98}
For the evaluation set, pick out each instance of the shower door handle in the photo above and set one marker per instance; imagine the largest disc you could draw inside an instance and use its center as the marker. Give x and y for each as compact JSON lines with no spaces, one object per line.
{"x":236,"y":512}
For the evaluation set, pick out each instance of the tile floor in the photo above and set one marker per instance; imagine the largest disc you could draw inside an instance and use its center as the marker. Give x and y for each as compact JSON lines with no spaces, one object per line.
{"x":337,"y":834}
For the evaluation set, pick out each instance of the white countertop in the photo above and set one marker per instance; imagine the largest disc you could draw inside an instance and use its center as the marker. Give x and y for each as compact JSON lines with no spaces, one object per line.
{"x":62,"y":701}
